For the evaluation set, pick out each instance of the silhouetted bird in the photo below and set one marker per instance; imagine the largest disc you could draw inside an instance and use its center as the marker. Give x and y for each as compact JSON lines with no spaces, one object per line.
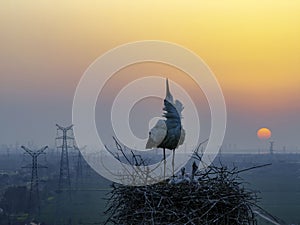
{"x":168,"y":133}
{"x":194,"y":170}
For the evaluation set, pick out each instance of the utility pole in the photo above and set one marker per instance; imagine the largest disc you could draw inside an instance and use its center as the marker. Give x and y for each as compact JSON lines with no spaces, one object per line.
{"x":271,"y":147}
{"x":64,"y":172}
{"x":34,"y":199}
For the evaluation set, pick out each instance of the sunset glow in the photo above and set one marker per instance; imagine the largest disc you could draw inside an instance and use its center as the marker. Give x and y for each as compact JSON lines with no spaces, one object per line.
{"x":264,"y":133}
{"x":252,"y":47}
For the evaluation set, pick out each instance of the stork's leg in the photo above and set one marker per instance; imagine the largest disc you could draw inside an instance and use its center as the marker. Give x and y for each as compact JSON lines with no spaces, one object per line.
{"x":165,"y":163}
{"x":173,"y":164}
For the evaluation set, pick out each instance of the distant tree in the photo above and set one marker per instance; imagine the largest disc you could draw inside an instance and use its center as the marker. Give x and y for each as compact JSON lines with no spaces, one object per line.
{"x":14,"y":199}
{"x":4,"y":179}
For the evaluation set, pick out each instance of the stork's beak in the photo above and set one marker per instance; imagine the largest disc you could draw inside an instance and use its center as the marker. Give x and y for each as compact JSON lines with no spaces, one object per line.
{"x":169,"y":96}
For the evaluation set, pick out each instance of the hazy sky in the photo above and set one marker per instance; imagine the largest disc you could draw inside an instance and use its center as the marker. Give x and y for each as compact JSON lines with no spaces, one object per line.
{"x":252,"y":47}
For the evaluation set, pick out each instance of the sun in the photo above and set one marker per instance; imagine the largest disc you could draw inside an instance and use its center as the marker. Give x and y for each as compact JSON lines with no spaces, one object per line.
{"x":264,"y":133}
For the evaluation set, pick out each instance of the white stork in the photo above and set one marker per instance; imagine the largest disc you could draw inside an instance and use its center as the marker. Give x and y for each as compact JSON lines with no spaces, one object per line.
{"x":168,"y":133}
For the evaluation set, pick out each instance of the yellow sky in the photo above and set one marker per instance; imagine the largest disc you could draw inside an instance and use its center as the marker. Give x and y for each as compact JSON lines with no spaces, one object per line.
{"x":252,"y":46}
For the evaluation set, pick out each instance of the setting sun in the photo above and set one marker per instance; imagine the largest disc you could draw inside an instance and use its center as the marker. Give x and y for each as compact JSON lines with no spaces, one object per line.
{"x":264,"y":133}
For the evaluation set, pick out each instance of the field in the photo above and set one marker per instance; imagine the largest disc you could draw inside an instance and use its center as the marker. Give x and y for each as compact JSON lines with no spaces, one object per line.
{"x":278,"y":186}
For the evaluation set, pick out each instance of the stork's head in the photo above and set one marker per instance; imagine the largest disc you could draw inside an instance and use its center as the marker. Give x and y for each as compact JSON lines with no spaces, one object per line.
{"x":178,"y":105}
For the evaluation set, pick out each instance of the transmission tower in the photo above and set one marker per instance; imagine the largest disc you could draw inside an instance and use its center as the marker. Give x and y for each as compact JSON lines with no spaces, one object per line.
{"x":63,"y":202}
{"x":64,"y":172}
{"x":79,"y":167}
{"x":34,"y":199}
{"x":271,"y":147}
{"x":7,"y":151}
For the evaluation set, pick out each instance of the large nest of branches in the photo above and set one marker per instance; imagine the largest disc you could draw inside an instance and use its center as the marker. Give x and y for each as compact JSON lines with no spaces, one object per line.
{"x":213,"y":196}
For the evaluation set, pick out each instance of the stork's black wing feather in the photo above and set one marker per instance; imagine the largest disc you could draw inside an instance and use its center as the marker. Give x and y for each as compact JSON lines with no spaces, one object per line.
{"x":171,"y":113}
{"x":173,"y":122}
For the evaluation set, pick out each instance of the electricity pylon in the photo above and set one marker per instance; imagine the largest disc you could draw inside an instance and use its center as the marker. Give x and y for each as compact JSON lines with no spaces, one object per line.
{"x":34,"y":199}
{"x":63,"y":202}
{"x":271,"y":147}
{"x":64,"y":172}
{"x":80,"y":164}
{"x":78,"y":167}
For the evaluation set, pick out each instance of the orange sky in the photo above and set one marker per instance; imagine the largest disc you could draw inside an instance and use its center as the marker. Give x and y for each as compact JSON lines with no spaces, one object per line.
{"x":252,"y":46}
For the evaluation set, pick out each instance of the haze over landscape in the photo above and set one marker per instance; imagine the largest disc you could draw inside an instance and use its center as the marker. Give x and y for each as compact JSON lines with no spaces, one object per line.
{"x":253,"y":49}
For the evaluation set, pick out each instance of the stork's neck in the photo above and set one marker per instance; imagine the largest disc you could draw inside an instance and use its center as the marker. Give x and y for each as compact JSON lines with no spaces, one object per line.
{"x":169,"y":96}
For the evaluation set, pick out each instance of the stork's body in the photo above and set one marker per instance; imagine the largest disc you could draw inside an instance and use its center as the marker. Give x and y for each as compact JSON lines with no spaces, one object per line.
{"x":173,"y":125}
{"x":168,"y":133}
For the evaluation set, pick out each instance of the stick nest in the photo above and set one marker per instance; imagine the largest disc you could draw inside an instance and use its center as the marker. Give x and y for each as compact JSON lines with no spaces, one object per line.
{"x":215,"y":195}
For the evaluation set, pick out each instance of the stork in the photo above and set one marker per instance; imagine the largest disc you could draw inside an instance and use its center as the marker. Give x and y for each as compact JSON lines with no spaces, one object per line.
{"x":168,"y":133}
